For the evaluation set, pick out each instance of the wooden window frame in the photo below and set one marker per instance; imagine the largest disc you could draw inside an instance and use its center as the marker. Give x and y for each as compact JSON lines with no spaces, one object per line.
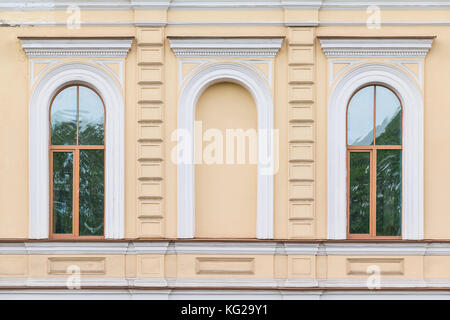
{"x":372,"y":149}
{"x":75,"y":149}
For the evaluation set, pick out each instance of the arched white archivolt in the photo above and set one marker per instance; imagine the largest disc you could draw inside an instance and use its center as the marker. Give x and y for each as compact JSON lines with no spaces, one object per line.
{"x":242,"y":75}
{"x":412,"y":173}
{"x":114,"y":145}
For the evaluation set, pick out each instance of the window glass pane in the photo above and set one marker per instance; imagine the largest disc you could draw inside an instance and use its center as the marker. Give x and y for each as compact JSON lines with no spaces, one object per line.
{"x":360,"y":117}
{"x":388,"y":118}
{"x":359,"y":192}
{"x":91,"y":192}
{"x":389,"y":192}
{"x":64,"y":117}
{"x":91,"y":118}
{"x":62,"y":192}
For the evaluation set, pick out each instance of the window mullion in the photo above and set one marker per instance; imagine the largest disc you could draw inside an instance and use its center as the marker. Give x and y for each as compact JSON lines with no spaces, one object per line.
{"x":373,"y":193}
{"x":78,"y":111}
{"x":373,"y":178}
{"x":76,"y":182}
{"x":51,"y":191}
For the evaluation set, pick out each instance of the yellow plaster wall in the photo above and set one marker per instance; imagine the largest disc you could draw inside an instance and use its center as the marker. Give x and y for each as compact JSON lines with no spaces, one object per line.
{"x":291,"y":70}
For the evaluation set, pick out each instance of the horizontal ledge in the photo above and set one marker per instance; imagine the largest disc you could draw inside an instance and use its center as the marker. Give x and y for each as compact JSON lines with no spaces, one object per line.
{"x":223,"y":5}
{"x":277,"y":23}
{"x":285,"y":284}
{"x":209,"y":246}
{"x":228,"y":240}
{"x":78,"y":38}
{"x":376,"y":38}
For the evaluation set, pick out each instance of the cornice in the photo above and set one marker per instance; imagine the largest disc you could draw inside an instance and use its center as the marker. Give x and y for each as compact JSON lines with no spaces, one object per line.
{"x":376,"y":47}
{"x":76,"y":47}
{"x":226,"y":47}
{"x":48,"y":5}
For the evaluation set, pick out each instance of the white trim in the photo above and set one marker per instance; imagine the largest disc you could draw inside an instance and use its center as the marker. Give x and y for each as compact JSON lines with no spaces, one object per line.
{"x":279,"y":23}
{"x":33,"y":78}
{"x":208,"y":294}
{"x":24,"y":5}
{"x":226,"y":248}
{"x":223,"y":282}
{"x":373,"y":47}
{"x":182,"y":79}
{"x":269,"y":63}
{"x":412,"y":174}
{"x":351,"y":63}
{"x":226,"y":47}
{"x":104,"y":64}
{"x":38,"y":145}
{"x":419,"y":77}
{"x":67,"y":248}
{"x":110,"y":48}
{"x":401,"y":249}
{"x":187,"y":103}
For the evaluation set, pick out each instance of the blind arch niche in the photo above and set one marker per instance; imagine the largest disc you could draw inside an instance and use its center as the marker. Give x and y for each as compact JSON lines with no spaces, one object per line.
{"x":250,"y":80}
{"x":225,"y":181}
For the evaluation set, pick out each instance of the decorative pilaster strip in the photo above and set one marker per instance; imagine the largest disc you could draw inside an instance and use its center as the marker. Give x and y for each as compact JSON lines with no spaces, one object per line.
{"x":301,"y":96}
{"x":150,"y":153}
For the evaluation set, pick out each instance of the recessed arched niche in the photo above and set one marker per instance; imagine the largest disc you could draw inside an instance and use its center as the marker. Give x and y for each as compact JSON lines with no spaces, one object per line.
{"x":226,"y":176}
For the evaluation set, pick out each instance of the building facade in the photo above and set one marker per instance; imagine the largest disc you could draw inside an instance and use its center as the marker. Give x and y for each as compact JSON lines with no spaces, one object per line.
{"x":280,"y":149}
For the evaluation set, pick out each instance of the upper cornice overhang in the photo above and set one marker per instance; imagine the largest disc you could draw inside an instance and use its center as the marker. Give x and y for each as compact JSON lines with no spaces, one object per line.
{"x":44,"y":5}
{"x":225,"y":47}
{"x":347,"y":47}
{"x":111,"y":47}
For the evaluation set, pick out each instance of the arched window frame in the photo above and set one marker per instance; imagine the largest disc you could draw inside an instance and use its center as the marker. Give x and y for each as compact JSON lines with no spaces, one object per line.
{"x":110,"y":92}
{"x":72,"y":148}
{"x":372,"y":149}
{"x":413,"y":150}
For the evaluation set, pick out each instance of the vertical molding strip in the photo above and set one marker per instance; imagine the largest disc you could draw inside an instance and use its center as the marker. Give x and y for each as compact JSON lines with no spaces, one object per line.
{"x":301,"y":97}
{"x":150,"y":162}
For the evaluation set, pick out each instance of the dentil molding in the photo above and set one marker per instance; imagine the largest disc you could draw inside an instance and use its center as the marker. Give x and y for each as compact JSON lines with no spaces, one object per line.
{"x":376,"y":47}
{"x":226,"y":47}
{"x":76,"y":47}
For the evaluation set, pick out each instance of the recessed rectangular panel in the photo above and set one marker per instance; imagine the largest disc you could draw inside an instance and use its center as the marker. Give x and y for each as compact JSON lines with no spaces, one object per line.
{"x":386,"y":266}
{"x":218,"y":265}
{"x":86,"y":265}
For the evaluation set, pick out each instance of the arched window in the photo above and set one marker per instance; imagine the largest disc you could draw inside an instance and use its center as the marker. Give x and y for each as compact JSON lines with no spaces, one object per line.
{"x":374,"y":163}
{"x":77,"y":163}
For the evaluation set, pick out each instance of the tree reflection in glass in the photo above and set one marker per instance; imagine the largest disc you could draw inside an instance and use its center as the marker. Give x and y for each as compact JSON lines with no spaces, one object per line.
{"x":359,"y":192}
{"x":91,"y":118}
{"x":77,"y":148}
{"x":374,"y":138}
{"x":91,"y":192}
{"x":388,"y":118}
{"x":389,"y":192}
{"x":62,"y":192}
{"x":64,"y":117}
{"x":360,"y":117}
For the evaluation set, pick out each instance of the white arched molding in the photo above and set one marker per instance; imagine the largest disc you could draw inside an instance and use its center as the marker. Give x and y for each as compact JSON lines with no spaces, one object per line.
{"x":39,"y":140}
{"x":242,"y":75}
{"x":412,"y":166}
